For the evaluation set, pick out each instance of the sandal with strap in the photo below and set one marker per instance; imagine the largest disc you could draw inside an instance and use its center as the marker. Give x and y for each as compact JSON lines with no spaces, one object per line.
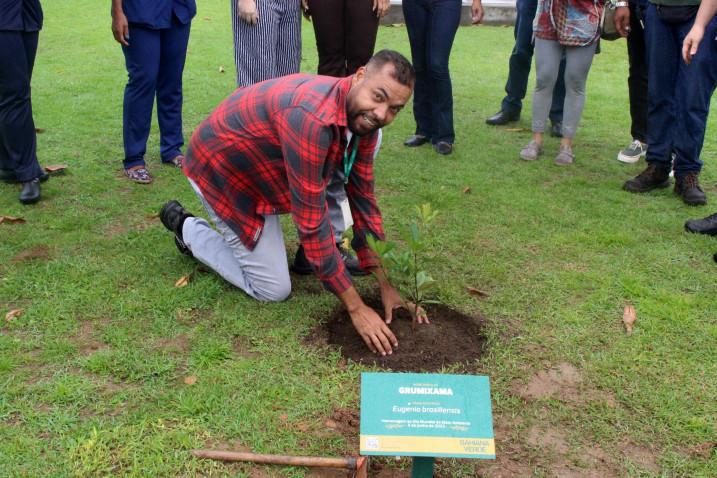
{"x":139,"y":175}
{"x":177,"y":161}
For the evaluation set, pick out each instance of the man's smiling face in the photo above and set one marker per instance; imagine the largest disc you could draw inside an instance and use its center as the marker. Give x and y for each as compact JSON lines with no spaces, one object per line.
{"x":375,"y":98}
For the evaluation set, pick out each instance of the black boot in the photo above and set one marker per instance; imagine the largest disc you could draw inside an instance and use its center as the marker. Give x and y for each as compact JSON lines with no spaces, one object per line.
{"x":688,"y":187}
{"x":173,"y":216}
{"x":503,"y":117}
{"x":30,"y":192}
{"x":707,"y":225}
{"x":301,"y":264}
{"x":653,"y":177}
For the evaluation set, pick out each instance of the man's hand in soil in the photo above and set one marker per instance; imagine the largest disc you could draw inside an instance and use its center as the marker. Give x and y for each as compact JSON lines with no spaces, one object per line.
{"x":368,"y":324}
{"x":392,"y":300}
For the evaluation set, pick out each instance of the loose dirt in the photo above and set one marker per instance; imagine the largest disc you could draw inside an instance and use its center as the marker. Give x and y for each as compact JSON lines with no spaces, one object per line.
{"x":40,"y":253}
{"x":451,"y":338}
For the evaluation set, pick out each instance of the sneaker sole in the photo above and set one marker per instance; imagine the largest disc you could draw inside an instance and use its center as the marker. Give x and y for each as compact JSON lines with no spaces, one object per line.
{"x":623,"y":158}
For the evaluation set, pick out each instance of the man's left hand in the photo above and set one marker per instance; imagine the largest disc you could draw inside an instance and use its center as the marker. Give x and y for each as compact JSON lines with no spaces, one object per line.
{"x":381,"y":7}
{"x":476,"y":12}
{"x":392,"y":300}
{"x":622,"y":21}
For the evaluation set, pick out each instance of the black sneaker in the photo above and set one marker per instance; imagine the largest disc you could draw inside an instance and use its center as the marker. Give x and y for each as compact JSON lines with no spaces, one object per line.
{"x":707,"y":225}
{"x":556,"y":129}
{"x":688,"y":187}
{"x":173,"y":216}
{"x":653,"y":177}
{"x":302,"y":267}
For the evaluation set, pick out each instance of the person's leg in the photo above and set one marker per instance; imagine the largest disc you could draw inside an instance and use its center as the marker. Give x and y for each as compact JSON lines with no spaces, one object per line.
{"x":556,"y":107}
{"x":288,"y":38}
{"x":663,"y":58}
{"x":327,"y":16}
{"x":520,"y":58}
{"x":445,"y":18}
{"x":417,"y":17}
{"x":361,"y":25}
{"x":693,"y":91}
{"x":637,"y":79}
{"x":17,"y":129}
{"x":263,"y":272}
{"x":577,"y":67}
{"x":548,"y":55}
{"x":255,"y":45}
{"x":142,"y":62}
{"x":173,"y":52}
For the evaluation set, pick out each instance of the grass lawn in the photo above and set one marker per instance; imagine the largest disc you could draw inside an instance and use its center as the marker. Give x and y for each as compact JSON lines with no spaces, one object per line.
{"x":92,"y":374}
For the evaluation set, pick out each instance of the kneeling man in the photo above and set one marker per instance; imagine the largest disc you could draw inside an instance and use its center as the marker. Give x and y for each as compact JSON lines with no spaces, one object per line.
{"x":271,"y":149}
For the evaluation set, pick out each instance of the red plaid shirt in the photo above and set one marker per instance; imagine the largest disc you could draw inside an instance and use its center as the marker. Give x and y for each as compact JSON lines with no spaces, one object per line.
{"x":271,"y":148}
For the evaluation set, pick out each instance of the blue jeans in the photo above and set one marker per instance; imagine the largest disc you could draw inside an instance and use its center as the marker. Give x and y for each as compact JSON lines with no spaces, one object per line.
{"x":520,"y":61}
{"x":155,"y":62}
{"x":678,"y":94}
{"x":432,"y":26}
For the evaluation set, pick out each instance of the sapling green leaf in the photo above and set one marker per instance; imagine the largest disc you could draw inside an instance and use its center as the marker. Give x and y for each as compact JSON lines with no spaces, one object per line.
{"x":404,"y":268}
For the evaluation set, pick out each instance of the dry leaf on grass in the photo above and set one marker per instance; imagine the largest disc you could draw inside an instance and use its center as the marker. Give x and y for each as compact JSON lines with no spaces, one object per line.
{"x":13,"y":314}
{"x":55,"y":168}
{"x":12,"y":220}
{"x":477,"y":292}
{"x":207,"y":18}
{"x":190,"y":379}
{"x":153,"y":216}
{"x":283,"y":417}
{"x":221,"y":69}
{"x":39,"y":130}
{"x":184,"y":280}
{"x":703,"y":449}
{"x":514,"y":130}
{"x":331,"y":424}
{"x":467,"y":190}
{"x":628,"y":318}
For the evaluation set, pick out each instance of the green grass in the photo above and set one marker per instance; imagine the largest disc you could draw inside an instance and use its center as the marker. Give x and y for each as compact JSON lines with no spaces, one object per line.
{"x":91,"y":375}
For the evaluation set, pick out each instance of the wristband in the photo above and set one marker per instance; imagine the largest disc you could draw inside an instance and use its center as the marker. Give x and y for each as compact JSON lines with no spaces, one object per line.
{"x":619,"y":3}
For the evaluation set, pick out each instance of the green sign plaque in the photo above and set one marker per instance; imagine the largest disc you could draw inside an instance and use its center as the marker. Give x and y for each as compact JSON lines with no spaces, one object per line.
{"x":413,"y":414}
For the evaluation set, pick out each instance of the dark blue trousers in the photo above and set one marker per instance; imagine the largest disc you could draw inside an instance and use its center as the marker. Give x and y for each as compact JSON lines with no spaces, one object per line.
{"x":155,"y":62}
{"x":17,"y":129}
{"x":520,"y":61}
{"x":678,"y":94}
{"x":432,"y":26}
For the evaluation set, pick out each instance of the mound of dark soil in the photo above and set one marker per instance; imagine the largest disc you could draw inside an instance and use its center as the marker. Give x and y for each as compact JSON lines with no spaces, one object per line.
{"x":450,"y":338}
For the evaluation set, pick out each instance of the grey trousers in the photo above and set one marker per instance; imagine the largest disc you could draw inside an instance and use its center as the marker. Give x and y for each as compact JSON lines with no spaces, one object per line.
{"x":272,"y":47}
{"x":578,"y":59}
{"x":263,"y":273}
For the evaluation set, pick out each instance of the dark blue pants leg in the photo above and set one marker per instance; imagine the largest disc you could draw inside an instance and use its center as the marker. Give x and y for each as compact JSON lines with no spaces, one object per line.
{"x":520,"y":62}
{"x":17,"y":129}
{"x":694,"y":87}
{"x":663,"y":57}
{"x":142,"y":60}
{"x":432,"y":26}
{"x":173,"y":52}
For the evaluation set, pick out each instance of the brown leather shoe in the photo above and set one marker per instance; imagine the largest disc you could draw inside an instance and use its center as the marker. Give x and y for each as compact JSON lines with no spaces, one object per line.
{"x":654,"y":177}
{"x":688,"y":187}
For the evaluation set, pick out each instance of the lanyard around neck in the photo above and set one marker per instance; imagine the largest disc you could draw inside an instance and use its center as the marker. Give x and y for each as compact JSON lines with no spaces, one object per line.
{"x":349,"y":161}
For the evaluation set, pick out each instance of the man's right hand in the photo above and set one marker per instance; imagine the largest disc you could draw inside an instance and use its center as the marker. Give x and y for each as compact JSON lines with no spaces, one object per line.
{"x":247,"y":12}
{"x":373,"y":330}
{"x":622,"y":21}
{"x":120,"y":26}
{"x":692,"y":42}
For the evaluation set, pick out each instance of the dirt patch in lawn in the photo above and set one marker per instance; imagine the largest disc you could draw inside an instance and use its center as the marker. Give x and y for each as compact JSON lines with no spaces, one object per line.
{"x":562,"y":380}
{"x":451,"y":338}
{"x":40,"y":252}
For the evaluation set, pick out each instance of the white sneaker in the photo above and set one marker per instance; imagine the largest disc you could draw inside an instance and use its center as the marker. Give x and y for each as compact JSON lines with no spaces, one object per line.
{"x":633,"y":152}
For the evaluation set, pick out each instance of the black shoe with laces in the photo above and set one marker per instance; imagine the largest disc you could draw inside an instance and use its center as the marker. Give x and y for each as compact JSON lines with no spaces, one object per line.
{"x":688,"y":187}
{"x":503,"y":117}
{"x":30,"y":191}
{"x":173,"y":216}
{"x":653,"y":177}
{"x":707,"y":225}
{"x":302,"y":267}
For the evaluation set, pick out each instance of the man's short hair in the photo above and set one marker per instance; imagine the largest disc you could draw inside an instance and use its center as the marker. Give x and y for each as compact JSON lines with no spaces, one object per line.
{"x":403,"y":71}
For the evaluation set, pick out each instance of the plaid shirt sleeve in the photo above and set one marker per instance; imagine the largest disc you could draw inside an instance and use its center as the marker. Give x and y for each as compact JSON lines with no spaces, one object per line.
{"x":305,"y":143}
{"x":362,"y":199}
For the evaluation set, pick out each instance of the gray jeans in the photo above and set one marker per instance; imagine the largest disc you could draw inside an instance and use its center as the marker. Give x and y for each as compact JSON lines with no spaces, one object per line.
{"x":263,"y":273}
{"x":578,"y":59}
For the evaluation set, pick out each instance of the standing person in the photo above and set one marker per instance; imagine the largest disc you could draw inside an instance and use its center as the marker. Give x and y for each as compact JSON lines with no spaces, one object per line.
{"x":569,"y":28}
{"x":637,"y":78}
{"x":679,"y":99}
{"x":267,"y":39}
{"x":20,"y":24}
{"x":345,"y":33}
{"x":154,"y":35}
{"x":271,"y":149}
{"x":432,"y":26}
{"x":519,"y":69}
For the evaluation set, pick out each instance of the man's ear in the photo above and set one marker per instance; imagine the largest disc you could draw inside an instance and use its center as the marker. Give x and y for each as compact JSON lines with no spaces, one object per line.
{"x":359,"y":75}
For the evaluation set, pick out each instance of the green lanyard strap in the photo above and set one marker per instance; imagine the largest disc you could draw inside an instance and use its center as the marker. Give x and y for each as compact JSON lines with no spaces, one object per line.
{"x":349,"y":161}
